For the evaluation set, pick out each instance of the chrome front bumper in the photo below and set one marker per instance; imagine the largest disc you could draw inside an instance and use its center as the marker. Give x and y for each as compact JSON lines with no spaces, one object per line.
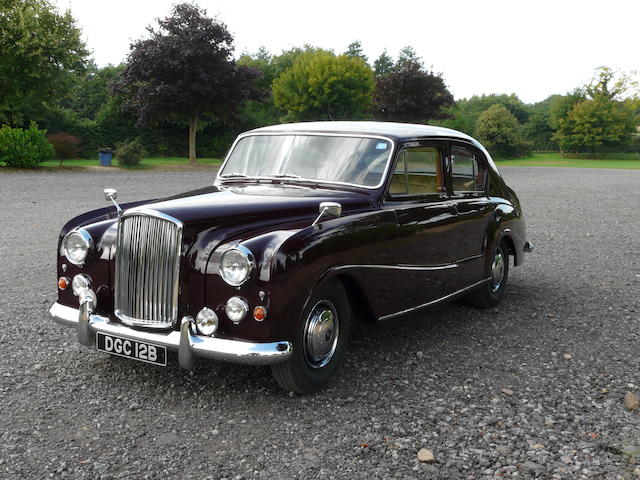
{"x":186,"y":342}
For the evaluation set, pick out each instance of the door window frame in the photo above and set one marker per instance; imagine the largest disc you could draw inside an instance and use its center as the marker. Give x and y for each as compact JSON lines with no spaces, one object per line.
{"x":419,"y":197}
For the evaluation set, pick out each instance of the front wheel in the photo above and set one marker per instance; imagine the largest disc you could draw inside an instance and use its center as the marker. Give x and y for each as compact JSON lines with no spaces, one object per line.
{"x":320,"y":342}
{"x":490,"y":294}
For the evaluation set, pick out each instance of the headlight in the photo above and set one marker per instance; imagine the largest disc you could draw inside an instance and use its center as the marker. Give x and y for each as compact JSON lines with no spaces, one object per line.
{"x":236,"y":309}
{"x":207,"y":321}
{"x":76,"y":246}
{"x":236,"y":265}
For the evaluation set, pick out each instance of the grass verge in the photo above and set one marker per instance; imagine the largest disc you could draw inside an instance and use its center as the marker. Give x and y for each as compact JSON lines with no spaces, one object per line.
{"x":145,"y":164}
{"x":629,"y":161}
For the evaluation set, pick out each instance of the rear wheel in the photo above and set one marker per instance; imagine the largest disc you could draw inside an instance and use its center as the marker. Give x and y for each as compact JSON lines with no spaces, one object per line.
{"x":490,"y":294}
{"x":320,"y":342}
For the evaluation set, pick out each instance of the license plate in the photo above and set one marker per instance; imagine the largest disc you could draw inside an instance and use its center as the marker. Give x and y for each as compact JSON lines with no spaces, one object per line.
{"x":145,"y":352}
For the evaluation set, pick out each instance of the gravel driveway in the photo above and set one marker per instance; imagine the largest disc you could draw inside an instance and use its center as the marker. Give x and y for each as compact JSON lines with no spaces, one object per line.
{"x":533,"y":388}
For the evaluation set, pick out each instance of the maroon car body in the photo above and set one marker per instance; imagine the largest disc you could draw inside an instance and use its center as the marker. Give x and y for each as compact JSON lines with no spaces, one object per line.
{"x":390,"y":251}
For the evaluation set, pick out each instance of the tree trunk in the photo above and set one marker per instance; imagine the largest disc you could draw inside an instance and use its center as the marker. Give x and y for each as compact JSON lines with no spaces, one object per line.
{"x":193,"y":125}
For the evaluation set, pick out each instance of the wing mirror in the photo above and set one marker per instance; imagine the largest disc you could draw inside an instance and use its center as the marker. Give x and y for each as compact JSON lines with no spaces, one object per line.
{"x":110,"y":194}
{"x":328,"y":209}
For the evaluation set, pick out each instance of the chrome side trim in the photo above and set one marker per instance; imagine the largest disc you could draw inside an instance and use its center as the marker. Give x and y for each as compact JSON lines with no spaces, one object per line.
{"x":426,"y":268}
{"x":436,"y":301}
{"x":186,"y":342}
{"x":316,"y":134}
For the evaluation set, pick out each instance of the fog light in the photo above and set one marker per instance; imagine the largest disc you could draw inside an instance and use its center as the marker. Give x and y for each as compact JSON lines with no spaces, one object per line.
{"x":63,"y":283}
{"x":207,"y":321}
{"x":259,"y":313}
{"x":80,"y":284}
{"x":236,"y":309}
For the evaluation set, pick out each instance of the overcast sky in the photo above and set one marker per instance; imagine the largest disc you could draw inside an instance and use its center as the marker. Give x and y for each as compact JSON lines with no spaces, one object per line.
{"x":531,"y":48}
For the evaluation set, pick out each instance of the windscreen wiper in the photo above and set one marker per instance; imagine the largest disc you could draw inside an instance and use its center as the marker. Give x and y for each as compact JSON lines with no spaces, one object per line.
{"x":233,"y":175}
{"x":284,"y":175}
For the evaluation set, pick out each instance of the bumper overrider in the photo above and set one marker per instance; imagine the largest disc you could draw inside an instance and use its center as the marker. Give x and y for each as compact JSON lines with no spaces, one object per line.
{"x":186,"y":342}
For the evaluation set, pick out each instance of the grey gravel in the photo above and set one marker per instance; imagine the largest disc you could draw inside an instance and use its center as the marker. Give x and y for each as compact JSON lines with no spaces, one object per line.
{"x":565,"y":341}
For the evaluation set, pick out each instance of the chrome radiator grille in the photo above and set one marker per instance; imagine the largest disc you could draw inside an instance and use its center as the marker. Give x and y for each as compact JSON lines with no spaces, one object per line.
{"x":147,"y":269}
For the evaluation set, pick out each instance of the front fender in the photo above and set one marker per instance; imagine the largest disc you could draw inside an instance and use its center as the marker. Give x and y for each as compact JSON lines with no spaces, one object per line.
{"x":334,"y":247}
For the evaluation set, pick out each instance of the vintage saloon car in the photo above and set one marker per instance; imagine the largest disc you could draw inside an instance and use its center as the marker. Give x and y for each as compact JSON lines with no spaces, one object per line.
{"x":306,"y":227}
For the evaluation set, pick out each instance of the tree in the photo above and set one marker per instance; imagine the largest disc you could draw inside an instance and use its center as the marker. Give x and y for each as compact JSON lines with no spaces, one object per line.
{"x":41,"y":53}
{"x":262,"y":110}
{"x":499,"y":131}
{"x":467,"y":110}
{"x":612,"y":85}
{"x":383,"y":64}
{"x":560,"y":106}
{"x":596,"y":124}
{"x":185,"y":71}
{"x":408,"y":58}
{"x":355,"y":50}
{"x":602,"y":117}
{"x":323,"y":86}
{"x":92,"y":90}
{"x":409,"y":93}
{"x":537,"y":128}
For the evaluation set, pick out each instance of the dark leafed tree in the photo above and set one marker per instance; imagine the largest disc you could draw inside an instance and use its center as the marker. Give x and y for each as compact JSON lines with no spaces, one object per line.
{"x":383,"y":64}
{"x":185,"y":71}
{"x":408,"y":58}
{"x":410,"y":94}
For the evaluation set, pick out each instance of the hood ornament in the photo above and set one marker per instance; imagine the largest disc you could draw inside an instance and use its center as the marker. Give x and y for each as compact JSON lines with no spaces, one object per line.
{"x":110,"y":194}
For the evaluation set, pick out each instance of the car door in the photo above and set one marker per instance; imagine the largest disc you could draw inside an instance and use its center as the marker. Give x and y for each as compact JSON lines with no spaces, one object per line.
{"x":423,"y":254}
{"x":468,"y":171}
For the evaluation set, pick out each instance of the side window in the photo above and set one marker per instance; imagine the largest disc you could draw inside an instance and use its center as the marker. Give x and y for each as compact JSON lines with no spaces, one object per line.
{"x":418,"y":172}
{"x":467,"y":173}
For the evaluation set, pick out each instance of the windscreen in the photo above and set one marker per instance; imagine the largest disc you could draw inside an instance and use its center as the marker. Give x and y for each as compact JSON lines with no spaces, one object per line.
{"x":354,"y":160}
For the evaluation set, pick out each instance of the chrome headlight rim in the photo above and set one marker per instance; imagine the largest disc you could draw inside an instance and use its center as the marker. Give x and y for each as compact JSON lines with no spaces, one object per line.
{"x":86,"y":238}
{"x":251,"y":265}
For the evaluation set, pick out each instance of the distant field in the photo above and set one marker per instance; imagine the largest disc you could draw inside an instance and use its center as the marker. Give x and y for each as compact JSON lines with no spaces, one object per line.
{"x":612,"y":160}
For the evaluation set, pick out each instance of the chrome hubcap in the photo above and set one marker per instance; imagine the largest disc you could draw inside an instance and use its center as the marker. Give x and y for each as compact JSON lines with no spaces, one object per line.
{"x":497,"y":270}
{"x":321,"y":334}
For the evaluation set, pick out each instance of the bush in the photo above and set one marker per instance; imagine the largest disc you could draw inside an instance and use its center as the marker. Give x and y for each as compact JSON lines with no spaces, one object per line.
{"x":65,"y":145}
{"x":24,"y":148}
{"x":130,"y":153}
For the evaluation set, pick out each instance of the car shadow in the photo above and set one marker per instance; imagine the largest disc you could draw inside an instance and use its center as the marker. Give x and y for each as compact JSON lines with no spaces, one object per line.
{"x":436,"y":342}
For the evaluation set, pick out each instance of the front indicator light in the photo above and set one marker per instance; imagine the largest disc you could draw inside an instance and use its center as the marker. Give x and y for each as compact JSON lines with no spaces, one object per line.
{"x":259,"y":313}
{"x":236,"y":309}
{"x":63,"y":283}
{"x":207,"y":321}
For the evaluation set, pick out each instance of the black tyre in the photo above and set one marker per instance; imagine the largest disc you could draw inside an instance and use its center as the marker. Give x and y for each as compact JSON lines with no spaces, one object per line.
{"x":490,"y":294}
{"x":320,"y":342}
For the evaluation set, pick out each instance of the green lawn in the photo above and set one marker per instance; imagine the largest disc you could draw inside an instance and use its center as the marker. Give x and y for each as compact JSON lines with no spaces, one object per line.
{"x":145,"y":164}
{"x":611,"y":160}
